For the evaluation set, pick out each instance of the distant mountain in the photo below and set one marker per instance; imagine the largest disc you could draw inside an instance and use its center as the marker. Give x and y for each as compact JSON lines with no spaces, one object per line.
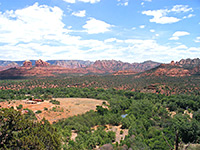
{"x":111,"y":66}
{"x":89,"y":67}
{"x":7,"y":64}
{"x":188,"y":63}
{"x":70,"y":63}
{"x":182,"y":68}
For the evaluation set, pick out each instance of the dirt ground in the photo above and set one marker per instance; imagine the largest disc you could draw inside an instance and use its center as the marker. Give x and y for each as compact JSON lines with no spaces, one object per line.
{"x":68,"y":107}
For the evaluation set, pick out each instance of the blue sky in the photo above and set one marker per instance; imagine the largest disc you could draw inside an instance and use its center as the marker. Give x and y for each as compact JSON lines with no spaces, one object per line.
{"x":126,"y":30}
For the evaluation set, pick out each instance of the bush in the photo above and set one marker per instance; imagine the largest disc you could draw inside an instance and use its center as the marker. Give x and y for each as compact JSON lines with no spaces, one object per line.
{"x":55,"y":102}
{"x":20,"y":106}
{"x":38,"y":112}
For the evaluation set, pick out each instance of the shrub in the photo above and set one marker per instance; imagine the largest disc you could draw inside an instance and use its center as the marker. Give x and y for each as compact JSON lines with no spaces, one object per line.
{"x":55,"y":102}
{"x":38,"y":112}
{"x":20,"y":106}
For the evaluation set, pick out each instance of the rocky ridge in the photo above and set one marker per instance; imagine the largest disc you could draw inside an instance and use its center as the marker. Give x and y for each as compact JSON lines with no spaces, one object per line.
{"x":27,"y":63}
{"x":41,"y":63}
{"x":43,"y":68}
{"x":174,"y":69}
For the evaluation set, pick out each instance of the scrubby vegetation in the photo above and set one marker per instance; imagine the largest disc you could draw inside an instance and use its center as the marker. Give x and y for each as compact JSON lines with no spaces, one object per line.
{"x":149,"y":122}
{"x":55,"y":102}
{"x":163,"y":84}
{"x":154,"y":121}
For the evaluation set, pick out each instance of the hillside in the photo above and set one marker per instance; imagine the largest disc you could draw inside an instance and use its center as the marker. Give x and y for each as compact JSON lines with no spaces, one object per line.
{"x":41,"y":68}
{"x":173,"y":70}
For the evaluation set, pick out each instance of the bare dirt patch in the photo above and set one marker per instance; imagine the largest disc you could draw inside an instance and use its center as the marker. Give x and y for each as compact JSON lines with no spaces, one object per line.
{"x":68,"y":107}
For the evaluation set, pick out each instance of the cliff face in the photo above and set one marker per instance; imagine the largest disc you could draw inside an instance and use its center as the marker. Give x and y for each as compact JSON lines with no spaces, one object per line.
{"x":7,"y":65}
{"x":72,"y":64}
{"x":42,"y":68}
{"x":196,"y":70}
{"x":41,"y":63}
{"x":27,"y":63}
{"x":188,"y":63}
{"x":111,"y":66}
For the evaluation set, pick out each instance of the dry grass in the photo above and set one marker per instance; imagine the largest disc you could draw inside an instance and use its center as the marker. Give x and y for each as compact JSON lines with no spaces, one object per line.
{"x":68,"y":107}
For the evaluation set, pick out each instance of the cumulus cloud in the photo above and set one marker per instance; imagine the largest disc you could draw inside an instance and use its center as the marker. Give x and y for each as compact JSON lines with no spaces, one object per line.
{"x":85,"y":1}
{"x":94,"y":26}
{"x":177,"y":34}
{"x":80,"y":13}
{"x":161,"y":16}
{"x":37,"y":31}
{"x":32,"y":23}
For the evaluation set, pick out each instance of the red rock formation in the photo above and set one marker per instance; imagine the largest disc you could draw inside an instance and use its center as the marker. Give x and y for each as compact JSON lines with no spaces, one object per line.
{"x":111,"y":66}
{"x":172,"y":63}
{"x":188,"y":63}
{"x":41,"y":63}
{"x":167,"y":70}
{"x":27,"y":63}
{"x":39,"y":71}
{"x":72,"y":64}
{"x":8,"y":66}
{"x":196,"y":70}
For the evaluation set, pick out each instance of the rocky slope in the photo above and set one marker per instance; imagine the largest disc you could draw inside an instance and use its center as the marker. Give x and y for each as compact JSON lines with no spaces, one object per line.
{"x":71,"y":63}
{"x":174,"y":69}
{"x":27,"y":63}
{"x":4,"y":65}
{"x":41,"y":63}
{"x":50,"y":68}
{"x":186,"y":67}
{"x":111,"y":66}
{"x":188,"y":63}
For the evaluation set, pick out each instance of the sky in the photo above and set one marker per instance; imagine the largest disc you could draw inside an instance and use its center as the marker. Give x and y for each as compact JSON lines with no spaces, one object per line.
{"x":126,"y":30}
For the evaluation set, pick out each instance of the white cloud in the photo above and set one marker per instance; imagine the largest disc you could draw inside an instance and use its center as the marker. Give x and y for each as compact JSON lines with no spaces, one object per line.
{"x":161,"y":16}
{"x":80,"y":13}
{"x":31,"y":23}
{"x":152,"y":30}
{"x":122,"y":2}
{"x":177,"y":34}
{"x":180,"y":33}
{"x":188,"y":16}
{"x":197,"y":40}
{"x":37,"y":31}
{"x":142,"y":26}
{"x":181,"y":8}
{"x":70,"y":1}
{"x":85,"y":1}
{"x":94,"y":26}
{"x":174,"y":38}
